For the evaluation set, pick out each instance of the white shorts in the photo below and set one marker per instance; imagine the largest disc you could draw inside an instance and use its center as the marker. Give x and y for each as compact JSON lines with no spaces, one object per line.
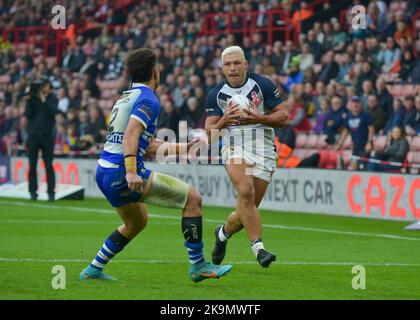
{"x":262,"y":165}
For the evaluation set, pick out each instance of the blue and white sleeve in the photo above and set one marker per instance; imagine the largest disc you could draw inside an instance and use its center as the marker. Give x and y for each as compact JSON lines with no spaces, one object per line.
{"x":145,"y":112}
{"x":211,"y":105}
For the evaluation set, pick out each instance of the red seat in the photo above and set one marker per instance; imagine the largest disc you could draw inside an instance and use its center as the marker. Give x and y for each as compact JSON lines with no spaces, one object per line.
{"x":415,"y":144}
{"x":301,"y":140}
{"x":300,"y":153}
{"x":312,"y":141}
{"x":348,"y":143}
{"x":321,"y":143}
{"x":379,"y":143}
{"x":310,"y":152}
{"x":413,"y":157}
{"x":346,"y":156}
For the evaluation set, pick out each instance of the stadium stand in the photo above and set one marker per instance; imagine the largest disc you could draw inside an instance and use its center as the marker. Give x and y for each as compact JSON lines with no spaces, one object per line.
{"x":86,"y":59}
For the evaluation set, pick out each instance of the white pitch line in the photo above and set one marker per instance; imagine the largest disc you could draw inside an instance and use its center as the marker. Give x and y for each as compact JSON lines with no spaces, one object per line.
{"x":273,"y":226}
{"x":303,"y":263}
{"x":17,"y":221}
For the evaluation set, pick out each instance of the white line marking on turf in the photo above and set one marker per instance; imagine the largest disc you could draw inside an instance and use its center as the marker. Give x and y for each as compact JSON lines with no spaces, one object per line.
{"x":273,"y":226}
{"x":304,"y":263}
{"x":16,"y":221}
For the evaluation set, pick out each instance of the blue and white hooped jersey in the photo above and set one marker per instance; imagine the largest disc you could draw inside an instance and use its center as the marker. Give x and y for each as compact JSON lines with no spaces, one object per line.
{"x":140,"y":103}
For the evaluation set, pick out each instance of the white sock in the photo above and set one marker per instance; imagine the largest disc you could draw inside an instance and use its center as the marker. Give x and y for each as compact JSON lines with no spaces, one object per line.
{"x":256,"y":246}
{"x":222,"y":234}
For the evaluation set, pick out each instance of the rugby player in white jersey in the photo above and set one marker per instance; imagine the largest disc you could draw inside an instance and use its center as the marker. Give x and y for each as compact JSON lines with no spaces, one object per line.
{"x":129,"y":186}
{"x":248,"y":152}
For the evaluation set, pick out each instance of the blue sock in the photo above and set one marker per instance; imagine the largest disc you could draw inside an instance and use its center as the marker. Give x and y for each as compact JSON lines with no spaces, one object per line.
{"x":112,"y":245}
{"x":195,"y":252}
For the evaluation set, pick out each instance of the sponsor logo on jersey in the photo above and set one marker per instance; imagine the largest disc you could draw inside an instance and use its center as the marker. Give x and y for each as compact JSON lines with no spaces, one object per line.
{"x":146,"y":110}
{"x":115,"y":137}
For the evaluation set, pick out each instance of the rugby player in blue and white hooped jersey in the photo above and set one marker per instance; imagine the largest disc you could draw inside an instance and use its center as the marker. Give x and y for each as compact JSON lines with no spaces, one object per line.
{"x":249,"y":152}
{"x":129,"y":186}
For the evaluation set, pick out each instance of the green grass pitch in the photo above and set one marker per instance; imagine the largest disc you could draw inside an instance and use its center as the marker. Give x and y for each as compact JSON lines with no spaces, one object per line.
{"x":315,"y":255}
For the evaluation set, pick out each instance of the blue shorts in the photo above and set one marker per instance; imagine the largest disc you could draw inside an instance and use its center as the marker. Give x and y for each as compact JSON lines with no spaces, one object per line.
{"x":113,"y":185}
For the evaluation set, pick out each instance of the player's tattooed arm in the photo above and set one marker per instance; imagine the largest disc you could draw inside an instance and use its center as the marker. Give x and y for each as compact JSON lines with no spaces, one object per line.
{"x":130,"y":144}
{"x":167,"y":147}
{"x":278,"y":118}
{"x":230,"y":117}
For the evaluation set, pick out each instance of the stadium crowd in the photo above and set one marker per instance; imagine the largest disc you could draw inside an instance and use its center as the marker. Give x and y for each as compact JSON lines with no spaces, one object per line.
{"x":331,"y":68}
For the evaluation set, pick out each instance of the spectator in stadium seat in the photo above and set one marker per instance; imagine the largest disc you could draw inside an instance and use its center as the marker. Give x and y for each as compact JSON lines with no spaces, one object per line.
{"x":389,"y":54}
{"x":403,"y":31}
{"x":378,"y":114}
{"x":384,"y":97}
{"x":298,"y":118}
{"x":290,"y":52}
{"x":75,"y":98}
{"x":328,"y":39}
{"x":193,"y":113}
{"x":302,"y":14}
{"x":409,"y":116}
{"x":321,"y":115}
{"x":396,"y":116}
{"x":277,"y":57}
{"x":335,"y":118}
{"x":315,"y":45}
{"x":177,"y":93}
{"x":168,"y":117}
{"x":306,"y":58}
{"x":267,"y":68}
{"x":63,"y":101}
{"x":416,"y":124}
{"x":345,"y":65}
{"x":367,"y":90}
{"x":396,"y":151}
{"x":359,"y":125}
{"x":376,"y":21}
{"x":295,"y":75}
{"x":96,"y":126}
{"x":329,"y":68}
{"x":366,"y":74}
{"x":339,"y":37}
{"x":407,"y":64}
{"x":319,"y":93}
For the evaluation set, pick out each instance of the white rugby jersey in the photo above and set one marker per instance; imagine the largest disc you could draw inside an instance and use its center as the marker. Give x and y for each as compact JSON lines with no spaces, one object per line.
{"x":256,"y":88}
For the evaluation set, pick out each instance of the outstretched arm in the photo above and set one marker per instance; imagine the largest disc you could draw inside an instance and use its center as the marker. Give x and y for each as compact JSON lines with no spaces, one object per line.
{"x":130,"y":145}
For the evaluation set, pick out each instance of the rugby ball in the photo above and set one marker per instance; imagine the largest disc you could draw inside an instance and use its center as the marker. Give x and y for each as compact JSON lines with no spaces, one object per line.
{"x":242,"y":101}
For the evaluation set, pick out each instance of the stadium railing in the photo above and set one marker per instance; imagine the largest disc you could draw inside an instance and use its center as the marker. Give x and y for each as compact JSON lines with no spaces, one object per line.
{"x":275,"y":22}
{"x":44,"y":37}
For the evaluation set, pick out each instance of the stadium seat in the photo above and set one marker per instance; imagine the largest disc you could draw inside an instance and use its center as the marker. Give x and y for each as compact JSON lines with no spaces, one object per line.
{"x":300,"y":153}
{"x":310,"y":152}
{"x":348,"y":143}
{"x":311,"y":143}
{"x":346,"y":156}
{"x":301,"y":140}
{"x":379,"y":143}
{"x":321,"y":143}
{"x":415,"y":144}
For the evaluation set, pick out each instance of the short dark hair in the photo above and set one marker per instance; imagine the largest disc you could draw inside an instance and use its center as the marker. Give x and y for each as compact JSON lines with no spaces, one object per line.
{"x":140,"y":64}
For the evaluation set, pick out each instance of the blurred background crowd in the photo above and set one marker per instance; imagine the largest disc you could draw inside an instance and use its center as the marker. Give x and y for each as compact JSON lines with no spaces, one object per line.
{"x":319,"y":68}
